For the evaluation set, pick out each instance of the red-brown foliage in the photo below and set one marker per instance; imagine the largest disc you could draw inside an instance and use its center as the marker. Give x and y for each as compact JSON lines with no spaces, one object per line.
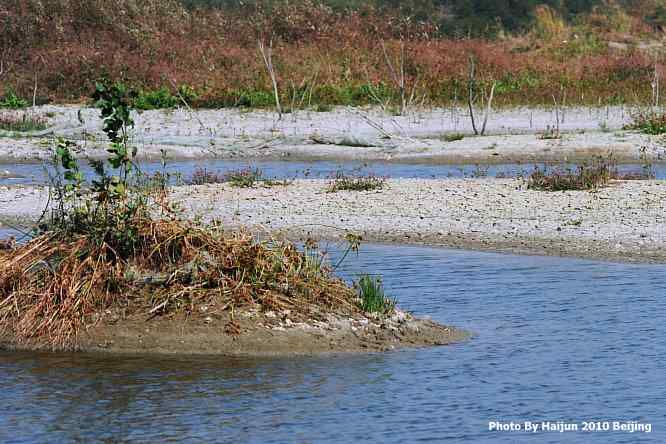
{"x":66,"y":44}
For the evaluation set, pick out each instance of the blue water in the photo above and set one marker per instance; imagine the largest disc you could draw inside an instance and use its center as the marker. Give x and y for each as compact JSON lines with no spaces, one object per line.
{"x":556,"y":339}
{"x":35,"y":174}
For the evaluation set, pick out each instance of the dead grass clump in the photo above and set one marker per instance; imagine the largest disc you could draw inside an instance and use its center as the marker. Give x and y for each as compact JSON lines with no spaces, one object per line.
{"x":53,"y":288}
{"x":22,"y":122}
{"x":588,"y":176}
{"x":203,"y":176}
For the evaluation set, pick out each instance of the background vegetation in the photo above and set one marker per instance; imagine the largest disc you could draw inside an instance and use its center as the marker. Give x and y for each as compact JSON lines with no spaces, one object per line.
{"x":329,"y":52}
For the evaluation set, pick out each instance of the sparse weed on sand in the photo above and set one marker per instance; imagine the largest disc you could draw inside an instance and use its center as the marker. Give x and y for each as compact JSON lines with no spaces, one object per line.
{"x":243,"y":178}
{"x":344,"y":182}
{"x":22,"y":122}
{"x":587,"y":176}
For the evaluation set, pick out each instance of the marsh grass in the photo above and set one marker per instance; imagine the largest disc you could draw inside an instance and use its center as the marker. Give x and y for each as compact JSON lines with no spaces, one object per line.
{"x":371,"y":292}
{"x":453,"y":137}
{"x":22,"y":122}
{"x":345,"y":182}
{"x":243,"y":178}
{"x":587,"y":176}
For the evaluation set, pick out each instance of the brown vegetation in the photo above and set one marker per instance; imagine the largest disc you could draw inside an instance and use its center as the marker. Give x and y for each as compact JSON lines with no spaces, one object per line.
{"x":58,"y":47}
{"x":52,"y":288}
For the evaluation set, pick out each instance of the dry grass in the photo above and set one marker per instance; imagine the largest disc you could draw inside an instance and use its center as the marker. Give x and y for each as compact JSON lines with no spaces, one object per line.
{"x":344,"y":182}
{"x":52,"y":288}
{"x":588,"y":176}
{"x":22,"y":122}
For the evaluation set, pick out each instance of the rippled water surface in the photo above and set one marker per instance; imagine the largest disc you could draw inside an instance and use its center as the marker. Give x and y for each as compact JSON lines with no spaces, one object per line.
{"x":556,"y":339}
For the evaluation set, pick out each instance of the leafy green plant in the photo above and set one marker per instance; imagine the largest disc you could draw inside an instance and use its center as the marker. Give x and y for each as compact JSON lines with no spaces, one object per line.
{"x":106,"y":209}
{"x":156,"y":99}
{"x":372,"y":297}
{"x":652,"y":122}
{"x":11,"y":100}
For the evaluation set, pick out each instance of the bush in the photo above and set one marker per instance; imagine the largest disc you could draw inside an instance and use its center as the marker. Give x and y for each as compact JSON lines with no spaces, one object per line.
{"x":158,"y":99}
{"x":653,"y":123}
{"x":245,"y":178}
{"x":11,"y":100}
{"x":588,"y":176}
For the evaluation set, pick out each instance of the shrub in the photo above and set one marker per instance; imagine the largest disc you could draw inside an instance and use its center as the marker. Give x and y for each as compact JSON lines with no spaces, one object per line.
{"x":344,"y":182}
{"x":371,"y":294}
{"x":202,"y":176}
{"x":11,"y":100}
{"x":157,"y":99}
{"x":588,"y":176}
{"x":653,"y":123}
{"x":244,"y":178}
{"x":453,"y":137}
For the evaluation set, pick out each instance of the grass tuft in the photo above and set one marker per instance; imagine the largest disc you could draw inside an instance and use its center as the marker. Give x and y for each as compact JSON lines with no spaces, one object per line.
{"x":344,"y":182}
{"x":371,"y":293}
{"x":453,"y":137}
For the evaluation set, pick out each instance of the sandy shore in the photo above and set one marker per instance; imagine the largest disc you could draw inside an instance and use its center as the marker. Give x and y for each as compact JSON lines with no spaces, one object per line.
{"x":513,"y":135}
{"x":261,"y":335}
{"x":623,"y":222}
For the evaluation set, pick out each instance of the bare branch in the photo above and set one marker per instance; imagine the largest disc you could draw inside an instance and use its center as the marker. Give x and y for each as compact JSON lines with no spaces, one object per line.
{"x":470,"y":89}
{"x":267,"y":55}
{"x":488,"y":107}
{"x":398,"y":77}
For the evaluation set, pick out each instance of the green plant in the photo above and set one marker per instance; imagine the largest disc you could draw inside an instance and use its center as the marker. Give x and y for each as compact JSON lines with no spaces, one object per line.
{"x":344,"y":182}
{"x":245,"y":178}
{"x":156,"y":99}
{"x":323,"y":108}
{"x":651,"y":122}
{"x":453,"y":137}
{"x":550,"y":133}
{"x":371,"y":294}
{"x":106,"y":209}
{"x":11,"y":100}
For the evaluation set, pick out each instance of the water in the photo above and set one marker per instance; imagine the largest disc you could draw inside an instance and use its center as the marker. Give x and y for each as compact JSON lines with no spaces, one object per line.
{"x":30,"y":174}
{"x":556,"y":339}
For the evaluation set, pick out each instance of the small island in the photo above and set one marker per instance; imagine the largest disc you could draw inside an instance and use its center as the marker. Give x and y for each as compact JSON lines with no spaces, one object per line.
{"x":116,"y":266}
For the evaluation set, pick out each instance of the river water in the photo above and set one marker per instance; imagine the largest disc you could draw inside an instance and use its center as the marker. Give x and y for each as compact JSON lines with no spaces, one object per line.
{"x":28,"y":174}
{"x":555,"y":340}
